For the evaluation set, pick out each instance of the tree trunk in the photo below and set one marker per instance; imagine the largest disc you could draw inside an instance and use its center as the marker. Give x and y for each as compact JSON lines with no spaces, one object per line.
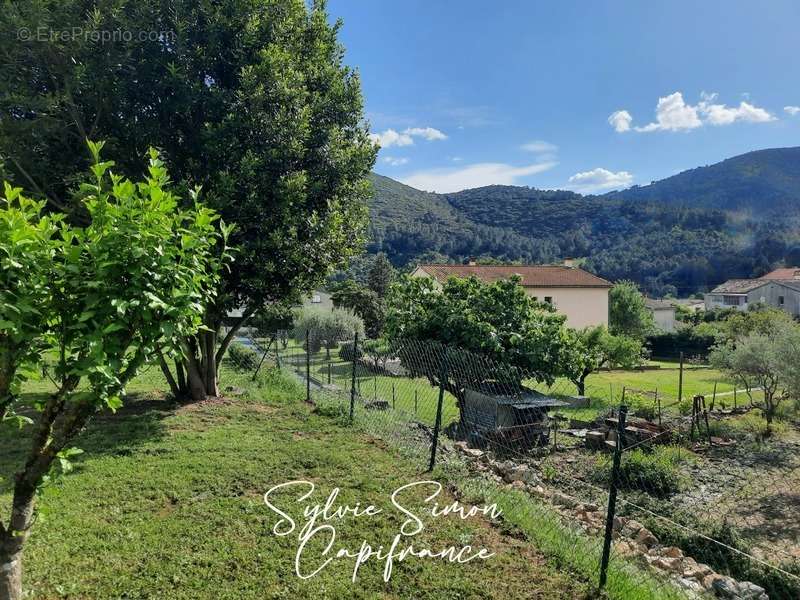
{"x":14,"y":536}
{"x":209,"y":343}
{"x":10,"y":575}
{"x":581,"y":385}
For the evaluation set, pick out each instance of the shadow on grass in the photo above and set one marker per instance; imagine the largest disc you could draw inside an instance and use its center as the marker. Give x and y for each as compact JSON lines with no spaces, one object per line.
{"x":117,"y":434}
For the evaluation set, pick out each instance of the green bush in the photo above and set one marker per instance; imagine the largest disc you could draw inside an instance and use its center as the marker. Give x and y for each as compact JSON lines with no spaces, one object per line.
{"x":656,"y":472}
{"x":242,"y":357}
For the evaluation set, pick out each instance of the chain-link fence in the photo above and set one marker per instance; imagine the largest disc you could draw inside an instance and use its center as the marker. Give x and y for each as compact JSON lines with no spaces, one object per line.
{"x":649,"y":496}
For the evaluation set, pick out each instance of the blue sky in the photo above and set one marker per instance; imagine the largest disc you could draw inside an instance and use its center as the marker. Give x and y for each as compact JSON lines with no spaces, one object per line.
{"x":467,"y":93}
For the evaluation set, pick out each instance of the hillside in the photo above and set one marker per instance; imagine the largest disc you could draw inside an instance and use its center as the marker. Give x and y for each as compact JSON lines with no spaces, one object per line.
{"x":681,"y":235}
{"x":762,"y":182}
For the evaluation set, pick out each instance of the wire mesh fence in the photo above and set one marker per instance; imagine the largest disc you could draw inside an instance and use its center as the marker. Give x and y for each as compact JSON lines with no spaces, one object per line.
{"x":649,"y":496}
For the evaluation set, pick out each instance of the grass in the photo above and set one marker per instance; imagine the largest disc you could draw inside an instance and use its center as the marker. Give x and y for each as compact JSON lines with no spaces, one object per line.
{"x":167,"y":502}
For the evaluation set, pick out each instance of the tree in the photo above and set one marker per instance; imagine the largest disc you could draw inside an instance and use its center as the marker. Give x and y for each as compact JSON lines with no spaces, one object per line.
{"x":496,"y":321}
{"x":765,"y":360}
{"x":380,"y":276}
{"x":627,"y":313}
{"x":593,"y":348}
{"x":325,"y":329}
{"x":363,"y":302}
{"x":104,"y":300}
{"x":248,"y":98}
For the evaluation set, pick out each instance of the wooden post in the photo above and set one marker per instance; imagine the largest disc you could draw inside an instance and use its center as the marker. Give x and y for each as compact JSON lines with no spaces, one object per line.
{"x":393,"y":395}
{"x":416,"y":398}
{"x":680,"y":380}
{"x":714,"y":396}
{"x":438,"y":423}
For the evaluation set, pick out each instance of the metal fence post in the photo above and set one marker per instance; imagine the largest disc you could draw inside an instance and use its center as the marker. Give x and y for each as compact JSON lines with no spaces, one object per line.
{"x":680,"y":380}
{"x":353,"y":378}
{"x":612,"y":495}
{"x":438,"y":423}
{"x":308,"y":369}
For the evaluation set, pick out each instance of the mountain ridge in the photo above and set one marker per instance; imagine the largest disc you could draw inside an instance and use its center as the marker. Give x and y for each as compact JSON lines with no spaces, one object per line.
{"x":679,"y":235}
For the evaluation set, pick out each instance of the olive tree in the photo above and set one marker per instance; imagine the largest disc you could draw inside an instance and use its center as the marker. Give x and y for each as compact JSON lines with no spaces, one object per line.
{"x":325,"y":328}
{"x":766,"y":366}
{"x":103,"y":299}
{"x":249,"y":99}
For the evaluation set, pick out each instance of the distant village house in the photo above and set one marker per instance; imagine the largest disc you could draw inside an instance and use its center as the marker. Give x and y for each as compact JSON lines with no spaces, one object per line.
{"x":576,"y":293}
{"x":779,"y":289}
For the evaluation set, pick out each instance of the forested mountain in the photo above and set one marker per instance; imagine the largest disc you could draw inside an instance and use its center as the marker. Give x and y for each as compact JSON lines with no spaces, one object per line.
{"x":665,"y":236}
{"x":762,"y":183}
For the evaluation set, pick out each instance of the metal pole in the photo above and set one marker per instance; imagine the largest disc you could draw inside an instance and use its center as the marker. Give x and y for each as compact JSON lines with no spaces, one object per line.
{"x":658,"y":401}
{"x":612,"y":496}
{"x":680,"y":380}
{"x":308,"y":369}
{"x":438,"y":423}
{"x":261,"y":362}
{"x":329,"y":372}
{"x":415,"y":401}
{"x":714,"y":397}
{"x":393,"y":394}
{"x":353,"y":379}
{"x":734,"y":395}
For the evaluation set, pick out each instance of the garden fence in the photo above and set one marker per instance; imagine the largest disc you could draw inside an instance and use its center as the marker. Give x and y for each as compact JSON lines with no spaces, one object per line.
{"x":649,"y":496}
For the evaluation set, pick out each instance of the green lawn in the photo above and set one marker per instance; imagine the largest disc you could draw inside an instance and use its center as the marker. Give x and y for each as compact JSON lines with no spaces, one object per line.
{"x":167,"y":502}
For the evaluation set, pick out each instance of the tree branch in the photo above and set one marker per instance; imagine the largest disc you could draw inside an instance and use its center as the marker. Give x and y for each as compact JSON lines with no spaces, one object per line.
{"x":226,"y":341}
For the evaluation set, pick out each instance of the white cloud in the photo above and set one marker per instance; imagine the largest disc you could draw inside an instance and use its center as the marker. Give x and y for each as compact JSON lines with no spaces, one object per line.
{"x":792,"y":110}
{"x":674,"y":114}
{"x":719,"y":114}
{"x":429,"y":133}
{"x":472,"y":176}
{"x":394,"y":161}
{"x":620,"y":120}
{"x":390,"y":137}
{"x":540,"y":147}
{"x":598,"y":180}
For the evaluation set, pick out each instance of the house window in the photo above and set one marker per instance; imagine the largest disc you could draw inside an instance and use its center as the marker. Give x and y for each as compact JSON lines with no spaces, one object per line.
{"x":548,"y":299}
{"x":731,"y":300}
{"x":780,"y":300}
{"x":315,"y":299}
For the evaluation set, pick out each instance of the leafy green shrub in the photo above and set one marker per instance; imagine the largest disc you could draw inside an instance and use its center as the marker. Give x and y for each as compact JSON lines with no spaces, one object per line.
{"x":656,"y":473}
{"x":242,"y":357}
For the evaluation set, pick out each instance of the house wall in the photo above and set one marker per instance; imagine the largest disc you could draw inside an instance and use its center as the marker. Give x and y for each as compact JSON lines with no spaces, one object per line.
{"x":769,"y":294}
{"x":664,"y":319}
{"x":583,"y":307}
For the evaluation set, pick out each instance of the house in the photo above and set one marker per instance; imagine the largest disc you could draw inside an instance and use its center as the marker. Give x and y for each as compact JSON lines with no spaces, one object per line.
{"x":319,"y":299}
{"x":780,"y":289}
{"x":663,"y":313}
{"x":576,"y":293}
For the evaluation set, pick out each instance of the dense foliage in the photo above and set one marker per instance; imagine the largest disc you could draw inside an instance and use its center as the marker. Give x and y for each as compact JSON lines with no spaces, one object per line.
{"x":627,"y":313}
{"x":100,"y":301}
{"x":248,"y":98}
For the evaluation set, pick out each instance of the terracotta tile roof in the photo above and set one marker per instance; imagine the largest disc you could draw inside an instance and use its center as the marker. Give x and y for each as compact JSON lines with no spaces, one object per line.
{"x":532,"y":275}
{"x":787,"y":273}
{"x":738,"y":286}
